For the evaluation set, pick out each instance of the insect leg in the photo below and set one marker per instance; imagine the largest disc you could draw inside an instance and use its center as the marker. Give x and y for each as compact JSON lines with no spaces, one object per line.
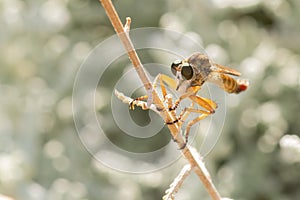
{"x":194,"y":121}
{"x":162,"y":79}
{"x":190,"y":92}
{"x":204,"y":102}
{"x":133,"y":102}
{"x":208,"y":104}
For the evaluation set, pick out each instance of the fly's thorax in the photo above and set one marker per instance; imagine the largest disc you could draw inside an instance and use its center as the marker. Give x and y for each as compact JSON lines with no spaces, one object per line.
{"x":201,"y":66}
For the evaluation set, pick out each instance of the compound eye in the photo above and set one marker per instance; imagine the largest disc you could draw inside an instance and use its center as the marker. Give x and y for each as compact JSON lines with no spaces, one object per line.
{"x":174,"y":66}
{"x":187,"y":71}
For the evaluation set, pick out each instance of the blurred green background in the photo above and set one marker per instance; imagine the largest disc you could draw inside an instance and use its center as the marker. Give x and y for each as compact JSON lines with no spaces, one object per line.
{"x":43,"y":44}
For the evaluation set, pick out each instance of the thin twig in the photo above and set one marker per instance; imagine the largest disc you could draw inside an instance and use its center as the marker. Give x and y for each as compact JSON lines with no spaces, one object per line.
{"x":124,"y":37}
{"x":123,"y":34}
{"x":176,"y":184}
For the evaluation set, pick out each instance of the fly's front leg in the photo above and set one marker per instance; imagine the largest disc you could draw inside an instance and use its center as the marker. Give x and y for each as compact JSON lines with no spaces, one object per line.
{"x":133,"y":102}
{"x":164,"y":79}
{"x":160,"y":79}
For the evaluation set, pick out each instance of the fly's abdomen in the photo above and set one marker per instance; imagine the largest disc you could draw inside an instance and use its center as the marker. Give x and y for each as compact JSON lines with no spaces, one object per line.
{"x":231,"y":85}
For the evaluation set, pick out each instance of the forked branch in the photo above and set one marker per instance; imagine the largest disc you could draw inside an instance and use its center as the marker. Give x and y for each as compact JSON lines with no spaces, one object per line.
{"x":191,"y":155}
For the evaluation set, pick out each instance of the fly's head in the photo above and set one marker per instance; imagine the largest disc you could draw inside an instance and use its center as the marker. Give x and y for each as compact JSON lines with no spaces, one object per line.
{"x":190,"y":72}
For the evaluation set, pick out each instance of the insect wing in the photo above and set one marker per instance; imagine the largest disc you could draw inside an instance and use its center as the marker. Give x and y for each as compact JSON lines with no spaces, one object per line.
{"x":225,"y":70}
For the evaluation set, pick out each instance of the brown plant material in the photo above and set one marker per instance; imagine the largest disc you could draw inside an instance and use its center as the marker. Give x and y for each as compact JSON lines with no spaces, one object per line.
{"x":176,"y":184}
{"x":192,"y":156}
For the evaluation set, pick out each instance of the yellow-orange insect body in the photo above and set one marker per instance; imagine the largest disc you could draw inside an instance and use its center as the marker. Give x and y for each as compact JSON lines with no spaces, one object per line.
{"x":198,"y":68}
{"x":190,"y":75}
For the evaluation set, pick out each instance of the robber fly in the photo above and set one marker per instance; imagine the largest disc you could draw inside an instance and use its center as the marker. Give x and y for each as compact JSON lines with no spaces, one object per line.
{"x":190,"y":74}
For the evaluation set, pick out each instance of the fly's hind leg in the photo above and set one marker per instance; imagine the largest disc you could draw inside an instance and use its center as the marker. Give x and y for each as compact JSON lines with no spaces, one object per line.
{"x":191,"y":123}
{"x":208,"y":104}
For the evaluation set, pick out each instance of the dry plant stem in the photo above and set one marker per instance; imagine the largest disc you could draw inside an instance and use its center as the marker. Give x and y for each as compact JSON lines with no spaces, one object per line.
{"x":198,"y":166}
{"x":176,"y":184}
{"x":175,"y":131}
{"x":124,"y":37}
